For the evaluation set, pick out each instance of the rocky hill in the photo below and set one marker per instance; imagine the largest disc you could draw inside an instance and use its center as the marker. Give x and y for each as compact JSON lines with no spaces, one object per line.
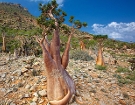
{"x":15,"y":16}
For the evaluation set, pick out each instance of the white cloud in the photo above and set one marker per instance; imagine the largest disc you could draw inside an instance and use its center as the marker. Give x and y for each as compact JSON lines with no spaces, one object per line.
{"x":60,"y":2}
{"x":120,"y":31}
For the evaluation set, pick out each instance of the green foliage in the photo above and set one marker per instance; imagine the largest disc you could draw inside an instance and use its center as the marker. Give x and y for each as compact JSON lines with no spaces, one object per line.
{"x":80,"y":55}
{"x":128,"y":77}
{"x":46,"y":19}
{"x":100,"y":67}
{"x":121,"y":69}
{"x":74,"y":43}
{"x":90,"y":43}
{"x":76,"y":23}
{"x":13,"y":44}
{"x":131,"y":76}
{"x":100,"y":37}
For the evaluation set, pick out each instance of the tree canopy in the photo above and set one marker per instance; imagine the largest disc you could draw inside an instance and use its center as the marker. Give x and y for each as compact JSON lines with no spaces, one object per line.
{"x":52,"y":17}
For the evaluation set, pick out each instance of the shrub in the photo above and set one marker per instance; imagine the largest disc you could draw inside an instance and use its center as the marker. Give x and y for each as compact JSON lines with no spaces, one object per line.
{"x":121,"y":69}
{"x":131,"y":76}
{"x":100,"y":67}
{"x":80,"y":55}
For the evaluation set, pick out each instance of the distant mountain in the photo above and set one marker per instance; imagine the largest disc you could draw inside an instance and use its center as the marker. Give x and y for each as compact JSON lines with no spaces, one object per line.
{"x":15,"y":16}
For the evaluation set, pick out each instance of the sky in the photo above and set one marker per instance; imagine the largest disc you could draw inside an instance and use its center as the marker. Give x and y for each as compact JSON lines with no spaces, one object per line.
{"x":115,"y":18}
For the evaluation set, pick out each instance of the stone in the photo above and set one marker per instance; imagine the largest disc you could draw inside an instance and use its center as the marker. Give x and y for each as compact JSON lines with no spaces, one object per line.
{"x":33,"y":103}
{"x":28,"y":66}
{"x":3,"y":75}
{"x":35,"y":99}
{"x":42,"y":93}
{"x":92,"y":94}
{"x":23,"y":70}
{"x":33,"y":88}
{"x":26,"y":95}
{"x":36,"y":94}
{"x":122,"y":102}
{"x":27,"y":86}
{"x":41,"y":101}
{"x":101,"y":103}
{"x":12,"y":103}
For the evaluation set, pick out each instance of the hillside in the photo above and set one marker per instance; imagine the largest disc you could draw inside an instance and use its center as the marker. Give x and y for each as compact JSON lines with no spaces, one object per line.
{"x":19,"y":24}
{"x":15,"y":16}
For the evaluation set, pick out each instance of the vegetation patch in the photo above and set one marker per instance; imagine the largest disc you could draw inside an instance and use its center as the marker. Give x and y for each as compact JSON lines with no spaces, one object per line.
{"x":80,"y":55}
{"x":99,"y":67}
{"x":126,"y":78}
{"x":122,"y":69}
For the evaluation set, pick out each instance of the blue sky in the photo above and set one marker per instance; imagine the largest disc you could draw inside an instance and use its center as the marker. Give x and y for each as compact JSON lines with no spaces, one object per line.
{"x":115,"y":18}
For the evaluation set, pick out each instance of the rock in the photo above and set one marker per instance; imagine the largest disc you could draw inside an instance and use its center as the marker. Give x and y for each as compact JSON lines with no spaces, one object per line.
{"x":23,"y":70}
{"x":92,"y":94}
{"x":12,"y":103}
{"x":74,"y":103}
{"x":33,"y":103}
{"x":43,"y":80}
{"x":121,"y":97}
{"x":35,"y":99}
{"x":26,"y":96}
{"x":33,"y":88}
{"x":41,"y":101}
{"x":122,"y":102}
{"x":117,"y":93}
{"x":20,"y":85}
{"x":3,"y":75}
{"x":77,"y":93}
{"x":36,"y":94}
{"x":42,"y":93}
{"x":28,"y":66}
{"x":15,"y":89}
{"x":101,"y":103}
{"x":27,"y":86}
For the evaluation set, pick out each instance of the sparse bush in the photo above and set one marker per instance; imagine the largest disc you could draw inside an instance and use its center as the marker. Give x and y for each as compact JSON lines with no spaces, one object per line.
{"x":100,"y":67}
{"x":128,"y":78}
{"x":131,"y":76}
{"x":121,"y":69}
{"x":80,"y":55}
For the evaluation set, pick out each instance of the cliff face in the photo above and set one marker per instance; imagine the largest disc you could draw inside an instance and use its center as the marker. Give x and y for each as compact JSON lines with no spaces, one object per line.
{"x":15,"y":16}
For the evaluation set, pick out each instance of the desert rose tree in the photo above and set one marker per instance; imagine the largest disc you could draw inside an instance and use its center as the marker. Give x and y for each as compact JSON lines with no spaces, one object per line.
{"x":3,"y":29}
{"x":60,"y":86}
{"x":100,"y":39}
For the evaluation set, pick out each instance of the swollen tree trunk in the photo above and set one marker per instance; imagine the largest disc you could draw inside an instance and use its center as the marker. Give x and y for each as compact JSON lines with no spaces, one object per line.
{"x":82,"y":45}
{"x":4,"y":43}
{"x":60,"y":86}
{"x":100,"y":60}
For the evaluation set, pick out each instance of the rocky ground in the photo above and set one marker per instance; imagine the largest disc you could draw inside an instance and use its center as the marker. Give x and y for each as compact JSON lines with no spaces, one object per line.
{"x":23,"y":82}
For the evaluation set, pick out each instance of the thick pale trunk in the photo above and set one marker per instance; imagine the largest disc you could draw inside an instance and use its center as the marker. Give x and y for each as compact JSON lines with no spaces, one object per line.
{"x":65,"y":56}
{"x":55,"y":47}
{"x":100,"y":60}
{"x":60,"y":86}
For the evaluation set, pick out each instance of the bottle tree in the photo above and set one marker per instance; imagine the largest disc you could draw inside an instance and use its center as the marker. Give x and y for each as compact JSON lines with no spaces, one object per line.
{"x":100,"y":39}
{"x":3,"y":29}
{"x":60,"y":86}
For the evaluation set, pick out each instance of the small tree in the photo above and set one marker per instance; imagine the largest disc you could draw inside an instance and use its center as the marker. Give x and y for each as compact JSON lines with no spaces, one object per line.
{"x":3,"y":39}
{"x":100,"y":39}
{"x":60,"y":86}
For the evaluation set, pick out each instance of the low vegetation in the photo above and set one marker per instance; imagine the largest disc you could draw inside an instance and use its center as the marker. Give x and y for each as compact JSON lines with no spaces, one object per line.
{"x":125,"y":76}
{"x":80,"y":55}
